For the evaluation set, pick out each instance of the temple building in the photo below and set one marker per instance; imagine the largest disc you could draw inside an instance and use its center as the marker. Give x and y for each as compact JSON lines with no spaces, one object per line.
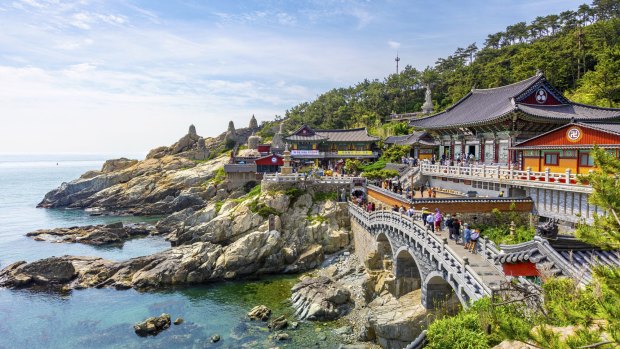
{"x":327,"y":146}
{"x":487,"y":124}
{"x":422,"y":144}
{"x":568,"y":147}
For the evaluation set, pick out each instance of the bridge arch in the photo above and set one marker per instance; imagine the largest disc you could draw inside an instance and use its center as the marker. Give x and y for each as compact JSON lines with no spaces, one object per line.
{"x":437,"y":292}
{"x":384,"y":246}
{"x":407,"y":272}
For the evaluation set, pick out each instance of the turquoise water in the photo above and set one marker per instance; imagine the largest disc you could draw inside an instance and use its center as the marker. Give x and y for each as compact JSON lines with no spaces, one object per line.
{"x":103,"y":318}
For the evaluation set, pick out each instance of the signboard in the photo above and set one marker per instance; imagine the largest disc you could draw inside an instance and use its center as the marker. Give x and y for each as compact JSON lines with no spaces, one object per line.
{"x":355,"y":152}
{"x":574,"y":134}
{"x":304,"y":152}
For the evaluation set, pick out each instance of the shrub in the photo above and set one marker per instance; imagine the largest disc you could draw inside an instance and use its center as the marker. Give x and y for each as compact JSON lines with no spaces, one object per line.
{"x":262,"y":209}
{"x":380,"y":174}
{"x":462,"y":331}
{"x":377,"y":165}
{"x":324,"y":196}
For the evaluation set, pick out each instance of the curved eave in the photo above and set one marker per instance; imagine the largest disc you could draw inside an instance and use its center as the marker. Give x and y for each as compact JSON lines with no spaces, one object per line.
{"x":489,"y":121}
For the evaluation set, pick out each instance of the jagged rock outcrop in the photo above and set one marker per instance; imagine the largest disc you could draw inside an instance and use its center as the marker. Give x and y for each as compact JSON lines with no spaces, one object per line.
{"x":259,"y":312}
{"x":320,"y":299}
{"x":152,"y":186}
{"x":190,"y":146}
{"x":115,"y":233}
{"x":396,"y":322}
{"x":153,"y":325}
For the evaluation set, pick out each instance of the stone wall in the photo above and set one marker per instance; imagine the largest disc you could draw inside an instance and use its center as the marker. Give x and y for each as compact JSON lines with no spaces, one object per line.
{"x":303,"y":185}
{"x":364,"y":243}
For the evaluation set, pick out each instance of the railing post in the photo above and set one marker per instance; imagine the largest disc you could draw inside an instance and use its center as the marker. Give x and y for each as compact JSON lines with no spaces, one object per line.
{"x":458,"y":170}
{"x":529,"y":173}
{"x":568,"y":176}
{"x":547,"y":174}
{"x":498,"y":172}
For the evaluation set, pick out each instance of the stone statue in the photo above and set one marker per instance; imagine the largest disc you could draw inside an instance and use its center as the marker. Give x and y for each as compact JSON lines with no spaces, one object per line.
{"x":278,"y":139}
{"x":428,"y":106}
{"x":548,"y":230}
{"x":253,"y":123}
{"x":192,"y":130}
{"x":253,"y":141}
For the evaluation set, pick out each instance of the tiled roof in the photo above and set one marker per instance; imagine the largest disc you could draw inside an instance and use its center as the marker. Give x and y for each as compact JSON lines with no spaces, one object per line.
{"x":491,"y":105}
{"x":478,"y":106}
{"x":396,"y":139}
{"x":575,"y":111}
{"x":350,"y":135}
{"x":314,"y":137}
{"x":565,"y":256}
{"x":415,"y":137}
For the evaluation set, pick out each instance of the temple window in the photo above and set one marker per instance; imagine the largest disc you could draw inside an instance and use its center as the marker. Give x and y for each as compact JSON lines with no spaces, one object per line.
{"x":552,"y":158}
{"x":585,"y":159}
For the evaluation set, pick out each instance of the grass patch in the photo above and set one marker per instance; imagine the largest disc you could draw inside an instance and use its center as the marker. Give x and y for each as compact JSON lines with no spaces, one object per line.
{"x":219,"y":177}
{"x":501,"y":235}
{"x":294,"y":193}
{"x":316,"y":218}
{"x":377,"y":165}
{"x":262,"y":209}
{"x":218,"y":206}
{"x":322,"y":196}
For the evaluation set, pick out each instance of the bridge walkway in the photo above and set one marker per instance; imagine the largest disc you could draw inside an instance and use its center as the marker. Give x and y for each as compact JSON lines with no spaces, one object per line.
{"x":489,"y":273}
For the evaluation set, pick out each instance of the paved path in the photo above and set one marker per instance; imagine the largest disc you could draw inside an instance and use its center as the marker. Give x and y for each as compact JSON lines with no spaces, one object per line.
{"x":491,"y":276}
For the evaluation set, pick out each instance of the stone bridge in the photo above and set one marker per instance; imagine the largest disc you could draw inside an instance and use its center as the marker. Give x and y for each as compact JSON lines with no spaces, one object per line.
{"x":422,"y":259}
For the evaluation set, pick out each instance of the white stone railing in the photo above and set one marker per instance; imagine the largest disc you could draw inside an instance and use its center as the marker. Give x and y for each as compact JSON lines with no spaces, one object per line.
{"x":297,"y":177}
{"x":501,"y":174}
{"x":416,"y":236}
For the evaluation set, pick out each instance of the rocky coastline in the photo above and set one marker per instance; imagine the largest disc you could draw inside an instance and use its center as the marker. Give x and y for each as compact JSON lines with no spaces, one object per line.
{"x":219,"y":232}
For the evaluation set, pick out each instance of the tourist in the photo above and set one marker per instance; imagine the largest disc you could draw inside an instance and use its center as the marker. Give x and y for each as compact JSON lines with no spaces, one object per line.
{"x":395,"y":208}
{"x":456,"y":228}
{"x":466,"y":235}
{"x":501,"y":194}
{"x":434,"y":193}
{"x":411,"y":211}
{"x":372,"y":207}
{"x":449,"y":221}
{"x":422,"y":191}
{"x":424,"y":215}
{"x":430,"y":221}
{"x":475,"y":234}
{"x":430,"y":192}
{"x":438,"y":219}
{"x":401,"y":210}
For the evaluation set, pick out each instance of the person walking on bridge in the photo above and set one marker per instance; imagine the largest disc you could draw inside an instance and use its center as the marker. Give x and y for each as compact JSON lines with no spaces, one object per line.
{"x":438,"y":219}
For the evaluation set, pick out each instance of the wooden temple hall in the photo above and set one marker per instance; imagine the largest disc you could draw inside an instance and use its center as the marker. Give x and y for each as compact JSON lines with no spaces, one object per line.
{"x":525,"y":124}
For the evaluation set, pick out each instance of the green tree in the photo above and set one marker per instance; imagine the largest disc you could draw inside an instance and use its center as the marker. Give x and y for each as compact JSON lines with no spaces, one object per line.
{"x":605,"y":231}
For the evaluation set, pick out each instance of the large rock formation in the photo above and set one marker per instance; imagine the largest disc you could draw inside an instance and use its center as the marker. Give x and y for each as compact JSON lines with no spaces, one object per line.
{"x":115,"y":233}
{"x":320,"y":299}
{"x":152,"y":186}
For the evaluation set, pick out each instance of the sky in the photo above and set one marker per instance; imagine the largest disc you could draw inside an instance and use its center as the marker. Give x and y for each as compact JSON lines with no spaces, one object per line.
{"x":125,"y":76}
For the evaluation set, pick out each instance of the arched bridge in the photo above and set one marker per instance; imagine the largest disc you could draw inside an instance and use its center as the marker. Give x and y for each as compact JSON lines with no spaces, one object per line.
{"x":432,"y":262}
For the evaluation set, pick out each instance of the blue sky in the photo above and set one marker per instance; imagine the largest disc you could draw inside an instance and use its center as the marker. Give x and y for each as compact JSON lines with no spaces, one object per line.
{"x":123,"y":76}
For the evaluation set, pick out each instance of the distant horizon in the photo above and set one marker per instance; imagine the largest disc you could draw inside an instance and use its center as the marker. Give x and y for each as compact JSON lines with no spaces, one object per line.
{"x":126,"y":76}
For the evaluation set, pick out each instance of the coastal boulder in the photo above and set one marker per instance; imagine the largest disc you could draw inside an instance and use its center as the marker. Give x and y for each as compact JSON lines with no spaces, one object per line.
{"x":48,"y":271}
{"x":320,"y":299}
{"x":259,"y":312}
{"x":153,"y":325}
{"x":396,"y":322}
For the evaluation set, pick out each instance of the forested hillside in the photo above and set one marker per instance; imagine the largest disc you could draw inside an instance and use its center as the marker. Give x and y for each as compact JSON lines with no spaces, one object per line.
{"x":578,"y":50}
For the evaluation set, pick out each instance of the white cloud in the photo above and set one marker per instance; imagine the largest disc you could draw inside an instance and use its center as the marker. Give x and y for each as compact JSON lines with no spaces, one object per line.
{"x":395,"y":45}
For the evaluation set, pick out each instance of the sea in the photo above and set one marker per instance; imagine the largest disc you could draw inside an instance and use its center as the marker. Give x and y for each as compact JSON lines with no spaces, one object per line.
{"x":104,"y":318}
